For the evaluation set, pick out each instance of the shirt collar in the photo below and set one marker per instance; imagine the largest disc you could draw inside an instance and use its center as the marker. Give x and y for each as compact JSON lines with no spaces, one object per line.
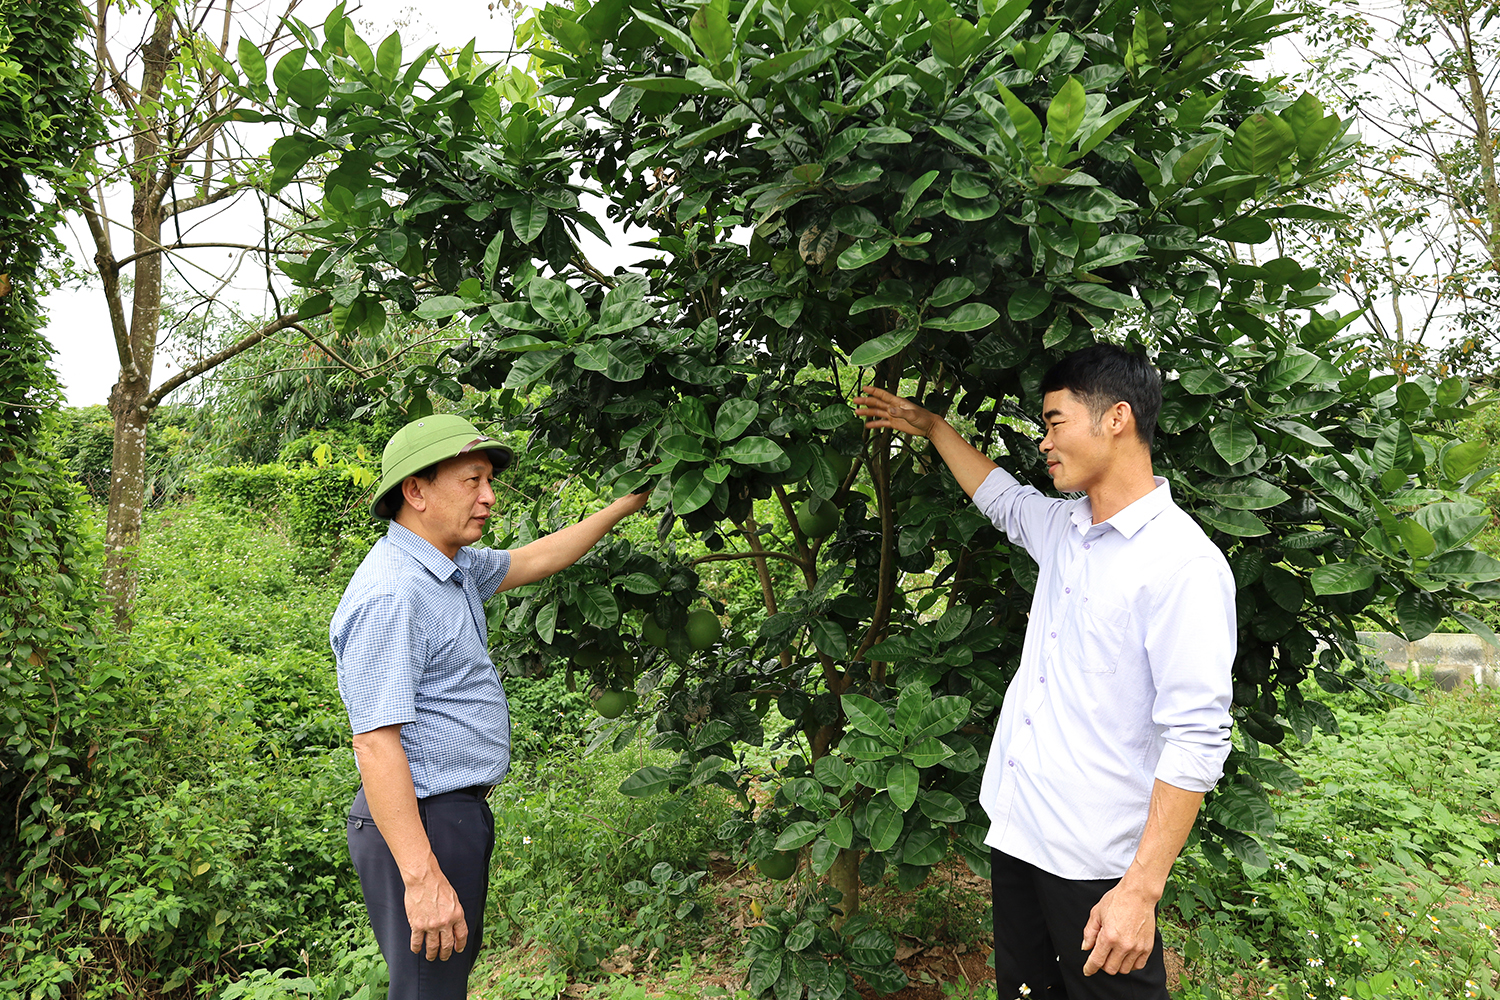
{"x":422,"y":551}
{"x":1133,"y":517}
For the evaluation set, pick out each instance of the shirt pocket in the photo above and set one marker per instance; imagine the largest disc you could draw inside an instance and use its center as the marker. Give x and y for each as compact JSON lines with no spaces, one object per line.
{"x":1103,"y":625}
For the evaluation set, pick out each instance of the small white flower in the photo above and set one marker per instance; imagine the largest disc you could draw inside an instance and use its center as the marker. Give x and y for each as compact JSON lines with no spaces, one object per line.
{"x":1280,"y":866}
{"x":1433,"y":919}
{"x":1329,"y":982}
{"x":1315,"y":962}
{"x":1355,"y":941}
{"x":1312,"y":934}
{"x":525,"y":840}
{"x":1486,"y":863}
{"x":1025,"y":990}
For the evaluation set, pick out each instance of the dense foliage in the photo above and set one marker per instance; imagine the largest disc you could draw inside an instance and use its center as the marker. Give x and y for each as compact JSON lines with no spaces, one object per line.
{"x":939,"y":200}
{"x":51,"y":686}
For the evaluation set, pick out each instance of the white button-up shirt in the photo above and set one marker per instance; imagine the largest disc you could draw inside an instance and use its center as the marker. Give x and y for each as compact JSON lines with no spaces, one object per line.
{"x":1124,"y":677}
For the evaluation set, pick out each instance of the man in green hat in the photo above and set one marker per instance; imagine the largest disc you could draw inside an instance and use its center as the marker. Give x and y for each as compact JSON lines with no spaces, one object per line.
{"x":427,"y":707}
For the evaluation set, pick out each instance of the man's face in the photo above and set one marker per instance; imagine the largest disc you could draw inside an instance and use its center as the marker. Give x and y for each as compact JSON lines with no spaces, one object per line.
{"x":1077,"y":449}
{"x":453,"y":507}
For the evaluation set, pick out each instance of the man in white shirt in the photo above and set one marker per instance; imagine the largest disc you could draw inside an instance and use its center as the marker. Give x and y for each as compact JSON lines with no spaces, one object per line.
{"x":1117,"y":721}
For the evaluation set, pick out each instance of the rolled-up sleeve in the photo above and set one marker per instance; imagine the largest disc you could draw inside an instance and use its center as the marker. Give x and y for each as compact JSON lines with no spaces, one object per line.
{"x":380,"y":648}
{"x":1190,"y":643}
{"x":489,"y":568}
{"x":1024,"y":513}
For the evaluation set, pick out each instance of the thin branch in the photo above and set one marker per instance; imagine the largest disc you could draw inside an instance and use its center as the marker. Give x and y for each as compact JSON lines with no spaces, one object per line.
{"x":218,"y":358}
{"x":187,"y":246}
{"x":762,"y":554}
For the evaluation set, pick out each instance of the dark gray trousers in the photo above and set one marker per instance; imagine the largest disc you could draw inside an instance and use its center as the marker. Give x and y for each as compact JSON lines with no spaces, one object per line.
{"x":1039,"y":922}
{"x":461,"y":830}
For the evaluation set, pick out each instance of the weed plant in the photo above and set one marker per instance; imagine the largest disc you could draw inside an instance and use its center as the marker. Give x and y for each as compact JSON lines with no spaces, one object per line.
{"x":1383,"y":880}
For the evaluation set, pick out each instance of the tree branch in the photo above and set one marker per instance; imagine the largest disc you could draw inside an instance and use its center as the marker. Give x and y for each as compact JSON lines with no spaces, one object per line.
{"x":214,"y":360}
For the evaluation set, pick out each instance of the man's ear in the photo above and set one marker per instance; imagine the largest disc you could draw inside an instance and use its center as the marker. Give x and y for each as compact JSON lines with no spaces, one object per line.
{"x":411,"y":493}
{"x":1120,"y":419}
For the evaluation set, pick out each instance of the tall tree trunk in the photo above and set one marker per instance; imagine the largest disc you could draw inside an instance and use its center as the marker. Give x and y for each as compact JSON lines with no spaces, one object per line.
{"x":844,"y":876}
{"x":127,"y":492}
{"x":1484,"y":141}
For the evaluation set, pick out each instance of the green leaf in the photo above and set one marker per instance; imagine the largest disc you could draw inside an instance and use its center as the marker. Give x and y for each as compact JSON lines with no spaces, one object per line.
{"x":1245,"y":493}
{"x":841,"y":831}
{"x":639,"y":583}
{"x":439,"y":307}
{"x":388,"y":56}
{"x":1261,"y":143}
{"x":863,"y":252}
{"x":1240,"y":807}
{"x":1233,"y":437}
{"x":1028,"y":303}
{"x":883,"y":822}
{"x":308,"y":89}
{"x":752,"y":450}
{"x":928,"y":752}
{"x":546,"y":622}
{"x":944,"y":715}
{"x":797,"y":835}
{"x":1107,"y":126}
{"x":671,"y":34}
{"x":1417,"y":539}
{"x":1393,"y":447}
{"x":949,"y":291}
{"x":1419,"y":614}
{"x":1458,"y":460}
{"x":882,"y":347}
{"x":734,"y":416}
{"x":867,"y":716}
{"x":649,"y":780}
{"x":1239,"y":523}
{"x":1465,"y":566}
{"x":828,"y":636}
{"x":685,"y":447}
{"x":969,"y":316}
{"x":903,"y":781}
{"x":1065,"y":113}
{"x":690,"y":491}
{"x":924,"y":847}
{"x":941,"y":807}
{"x":915,"y":191}
{"x":955,"y":41}
{"x":711,"y":30}
{"x":1342,"y":578}
{"x":528,"y":219}
{"x":356,"y":47}
{"x":598,"y":605}
{"x":251,"y":61}
{"x":1028,"y":126}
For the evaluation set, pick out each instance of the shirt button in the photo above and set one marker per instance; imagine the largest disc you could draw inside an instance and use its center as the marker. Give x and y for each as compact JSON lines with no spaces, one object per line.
{"x":1054,"y":635}
{"x":1088,"y":545}
{"x":1067,"y":590}
{"x":1028,"y":722}
{"x":1011,"y":763}
{"x":1042,"y":679}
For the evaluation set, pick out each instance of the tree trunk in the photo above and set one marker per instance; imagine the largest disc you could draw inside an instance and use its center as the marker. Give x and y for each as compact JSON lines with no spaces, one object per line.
{"x":127,"y":493}
{"x":844,"y":876}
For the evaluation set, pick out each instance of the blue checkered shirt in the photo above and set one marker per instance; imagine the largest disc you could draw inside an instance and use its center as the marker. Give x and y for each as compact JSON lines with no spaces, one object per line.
{"x":412,"y":649}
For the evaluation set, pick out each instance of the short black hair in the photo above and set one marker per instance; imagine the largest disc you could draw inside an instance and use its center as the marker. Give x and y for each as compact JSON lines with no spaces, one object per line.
{"x":1103,"y":375}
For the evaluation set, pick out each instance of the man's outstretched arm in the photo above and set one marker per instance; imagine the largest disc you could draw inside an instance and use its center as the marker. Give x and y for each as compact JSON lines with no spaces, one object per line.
{"x":540,"y":559}
{"x":884,"y":409}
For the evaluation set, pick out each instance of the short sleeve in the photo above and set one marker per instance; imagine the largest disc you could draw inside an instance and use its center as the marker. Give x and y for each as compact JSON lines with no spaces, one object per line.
{"x":488,"y":568}
{"x":380,"y":648}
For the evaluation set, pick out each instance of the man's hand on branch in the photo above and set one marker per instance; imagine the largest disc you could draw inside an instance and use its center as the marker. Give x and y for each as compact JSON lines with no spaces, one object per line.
{"x":885,"y":409}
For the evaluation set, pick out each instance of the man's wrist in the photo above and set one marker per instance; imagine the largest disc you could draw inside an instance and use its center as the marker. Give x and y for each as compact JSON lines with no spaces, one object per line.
{"x":425,"y":872}
{"x":1142,"y":886}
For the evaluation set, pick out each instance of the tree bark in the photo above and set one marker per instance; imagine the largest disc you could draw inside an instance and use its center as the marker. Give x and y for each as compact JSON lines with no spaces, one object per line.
{"x":844,"y":876}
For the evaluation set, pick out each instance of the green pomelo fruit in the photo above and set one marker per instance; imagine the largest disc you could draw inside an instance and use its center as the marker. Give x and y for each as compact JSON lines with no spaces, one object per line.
{"x":839,"y":463}
{"x":653,"y":633}
{"x":819,"y":521}
{"x":778,"y":866}
{"x":612,"y":704}
{"x":703,"y":629}
{"x":587,"y":658}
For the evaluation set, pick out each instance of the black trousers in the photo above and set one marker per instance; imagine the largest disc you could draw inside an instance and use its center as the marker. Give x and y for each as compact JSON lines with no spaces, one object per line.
{"x":1039,"y":922}
{"x":461,"y":830}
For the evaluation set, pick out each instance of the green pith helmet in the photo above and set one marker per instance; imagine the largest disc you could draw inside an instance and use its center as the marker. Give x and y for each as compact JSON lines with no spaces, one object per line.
{"x":426,"y":442}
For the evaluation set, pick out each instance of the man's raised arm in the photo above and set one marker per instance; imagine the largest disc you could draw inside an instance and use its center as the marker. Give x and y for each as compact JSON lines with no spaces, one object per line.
{"x":884,"y":409}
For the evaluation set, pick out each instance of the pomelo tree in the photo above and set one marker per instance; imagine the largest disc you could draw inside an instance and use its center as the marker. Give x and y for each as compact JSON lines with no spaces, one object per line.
{"x":937,"y":199}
